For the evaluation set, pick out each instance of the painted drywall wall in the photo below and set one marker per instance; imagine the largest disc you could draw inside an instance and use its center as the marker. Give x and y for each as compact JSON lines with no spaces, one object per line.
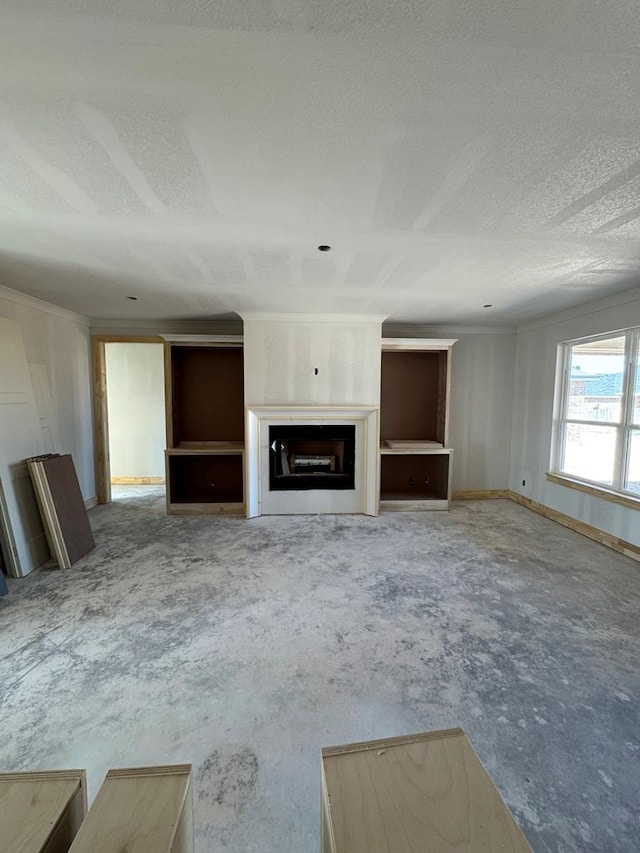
{"x":312,"y":360}
{"x":135,"y":401}
{"x":57,"y":348}
{"x":535,"y":371}
{"x":482,"y":375}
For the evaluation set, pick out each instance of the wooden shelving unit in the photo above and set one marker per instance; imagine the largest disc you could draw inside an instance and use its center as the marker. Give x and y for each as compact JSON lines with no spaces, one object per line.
{"x":205,"y":426}
{"x":415,"y":457}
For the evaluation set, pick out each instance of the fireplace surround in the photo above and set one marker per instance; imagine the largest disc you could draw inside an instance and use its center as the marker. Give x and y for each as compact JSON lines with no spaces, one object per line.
{"x":342,"y":438}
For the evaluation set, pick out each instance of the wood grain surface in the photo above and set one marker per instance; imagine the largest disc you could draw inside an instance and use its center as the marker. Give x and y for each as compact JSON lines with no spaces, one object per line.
{"x":413,"y":795}
{"x":40,"y":811}
{"x":140,"y":810}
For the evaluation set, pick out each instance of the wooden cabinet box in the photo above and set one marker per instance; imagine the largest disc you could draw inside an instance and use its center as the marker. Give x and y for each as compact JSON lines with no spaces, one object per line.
{"x":205,"y":427}
{"x":425,"y":793}
{"x":140,"y":810}
{"x":41,"y":812}
{"x":414,"y":423}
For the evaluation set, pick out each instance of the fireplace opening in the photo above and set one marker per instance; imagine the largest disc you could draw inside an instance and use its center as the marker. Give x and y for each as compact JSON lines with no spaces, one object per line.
{"x":303,"y":457}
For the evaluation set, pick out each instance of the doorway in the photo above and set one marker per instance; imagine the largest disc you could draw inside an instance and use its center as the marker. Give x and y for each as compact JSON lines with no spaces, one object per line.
{"x":129,"y":417}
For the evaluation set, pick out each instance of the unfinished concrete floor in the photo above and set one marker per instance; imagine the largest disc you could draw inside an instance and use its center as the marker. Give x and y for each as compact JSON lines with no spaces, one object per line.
{"x":244,"y":646}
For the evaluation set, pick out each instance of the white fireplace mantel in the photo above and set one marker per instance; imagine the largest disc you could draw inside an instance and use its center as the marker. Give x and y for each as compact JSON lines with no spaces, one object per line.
{"x":363,"y":499}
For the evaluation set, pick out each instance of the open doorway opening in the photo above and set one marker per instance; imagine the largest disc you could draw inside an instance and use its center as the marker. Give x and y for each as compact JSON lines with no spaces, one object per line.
{"x":134,"y":380}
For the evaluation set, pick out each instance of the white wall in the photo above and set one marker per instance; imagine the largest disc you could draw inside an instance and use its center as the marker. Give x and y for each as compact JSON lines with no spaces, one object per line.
{"x":482,"y":375}
{"x":536,"y":355}
{"x":135,"y":401}
{"x":282,"y":354}
{"x":57,"y":347}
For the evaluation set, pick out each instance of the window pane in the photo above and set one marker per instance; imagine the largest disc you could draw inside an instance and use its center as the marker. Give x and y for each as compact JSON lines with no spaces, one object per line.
{"x":636,"y":395}
{"x":633,"y":474}
{"x":589,"y":452}
{"x":596,"y":375}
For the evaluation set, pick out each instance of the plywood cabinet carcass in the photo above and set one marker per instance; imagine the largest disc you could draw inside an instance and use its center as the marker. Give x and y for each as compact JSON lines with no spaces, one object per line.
{"x":41,"y":812}
{"x":205,"y":427}
{"x":415,"y":456}
{"x":413,"y":794}
{"x":140,"y":810}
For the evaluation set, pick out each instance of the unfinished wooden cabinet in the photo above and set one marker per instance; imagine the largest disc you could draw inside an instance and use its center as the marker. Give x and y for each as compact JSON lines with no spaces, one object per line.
{"x":415,"y":457}
{"x":41,"y":812}
{"x":414,"y":794}
{"x":205,"y":426}
{"x":140,"y":810}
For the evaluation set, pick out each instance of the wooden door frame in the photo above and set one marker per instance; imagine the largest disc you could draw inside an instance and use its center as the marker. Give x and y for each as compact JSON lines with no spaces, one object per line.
{"x":100,"y":409}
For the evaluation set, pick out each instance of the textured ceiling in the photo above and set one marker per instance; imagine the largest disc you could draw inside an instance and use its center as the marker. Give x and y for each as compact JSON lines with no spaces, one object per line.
{"x":194,"y":154}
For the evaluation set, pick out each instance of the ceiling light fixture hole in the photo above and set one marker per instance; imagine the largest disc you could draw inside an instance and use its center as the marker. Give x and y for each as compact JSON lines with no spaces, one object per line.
{"x":324,"y":248}
{"x":488,"y":305}
{"x":133,"y":298}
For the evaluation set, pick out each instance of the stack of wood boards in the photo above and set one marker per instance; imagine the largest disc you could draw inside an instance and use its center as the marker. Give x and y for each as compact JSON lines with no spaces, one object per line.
{"x":62,"y":508}
{"x":41,"y":812}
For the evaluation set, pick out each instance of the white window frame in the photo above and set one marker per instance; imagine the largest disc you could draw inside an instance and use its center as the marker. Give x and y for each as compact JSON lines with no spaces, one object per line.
{"x":623,"y":428}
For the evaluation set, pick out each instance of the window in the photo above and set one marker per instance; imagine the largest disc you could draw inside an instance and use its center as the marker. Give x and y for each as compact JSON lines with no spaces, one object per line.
{"x":598,"y":429}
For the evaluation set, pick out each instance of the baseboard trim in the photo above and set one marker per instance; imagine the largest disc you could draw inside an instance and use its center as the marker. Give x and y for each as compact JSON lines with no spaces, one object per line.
{"x":481,"y":495}
{"x":137,"y":481}
{"x":628,"y":549}
{"x":91,"y":502}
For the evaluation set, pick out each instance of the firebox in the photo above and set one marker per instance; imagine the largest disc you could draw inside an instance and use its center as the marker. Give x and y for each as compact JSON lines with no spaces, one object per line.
{"x":303,"y":457}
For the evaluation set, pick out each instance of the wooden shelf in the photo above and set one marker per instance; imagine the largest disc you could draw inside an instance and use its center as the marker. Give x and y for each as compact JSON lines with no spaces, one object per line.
{"x":416,"y":477}
{"x":415,"y":461}
{"x":206,"y":394}
{"x":413,"y":395}
{"x":415,"y":450}
{"x":205,"y":428}
{"x":206,"y":509}
{"x":207,"y":448}
{"x":204,"y":478}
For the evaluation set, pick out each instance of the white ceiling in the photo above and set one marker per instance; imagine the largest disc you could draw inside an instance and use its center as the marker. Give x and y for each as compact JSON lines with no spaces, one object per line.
{"x":195,"y":153}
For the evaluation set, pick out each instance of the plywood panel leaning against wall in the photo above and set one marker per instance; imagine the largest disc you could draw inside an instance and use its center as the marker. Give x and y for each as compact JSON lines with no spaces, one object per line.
{"x":413,"y":794}
{"x":41,"y":812}
{"x":20,"y":437}
{"x":140,"y":810}
{"x":62,"y":508}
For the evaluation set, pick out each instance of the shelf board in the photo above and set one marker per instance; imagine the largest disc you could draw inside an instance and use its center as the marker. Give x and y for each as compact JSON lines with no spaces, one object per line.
{"x":235,"y":509}
{"x":415,"y":504}
{"x":207,"y":448}
{"x":415,"y":449}
{"x":411,"y":443}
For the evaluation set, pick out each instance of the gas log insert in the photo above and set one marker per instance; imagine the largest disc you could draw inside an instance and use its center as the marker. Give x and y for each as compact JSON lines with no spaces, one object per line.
{"x":305,"y":457}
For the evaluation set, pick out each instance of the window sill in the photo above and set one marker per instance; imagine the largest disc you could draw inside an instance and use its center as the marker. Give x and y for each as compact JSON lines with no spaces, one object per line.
{"x":597,"y":491}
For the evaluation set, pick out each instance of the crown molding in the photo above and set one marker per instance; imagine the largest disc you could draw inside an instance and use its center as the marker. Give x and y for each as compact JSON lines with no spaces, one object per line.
{"x":166,"y":328}
{"x":298,"y":317}
{"x":19,"y":298}
{"x":585,"y":309}
{"x":416,"y":330}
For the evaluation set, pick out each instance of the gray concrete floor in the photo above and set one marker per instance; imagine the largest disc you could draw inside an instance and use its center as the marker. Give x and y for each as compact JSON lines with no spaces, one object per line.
{"x":244,"y":646}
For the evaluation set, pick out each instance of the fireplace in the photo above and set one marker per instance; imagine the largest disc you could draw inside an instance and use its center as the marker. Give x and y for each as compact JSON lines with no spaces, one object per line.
{"x":331,"y":453}
{"x":304,"y":456}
